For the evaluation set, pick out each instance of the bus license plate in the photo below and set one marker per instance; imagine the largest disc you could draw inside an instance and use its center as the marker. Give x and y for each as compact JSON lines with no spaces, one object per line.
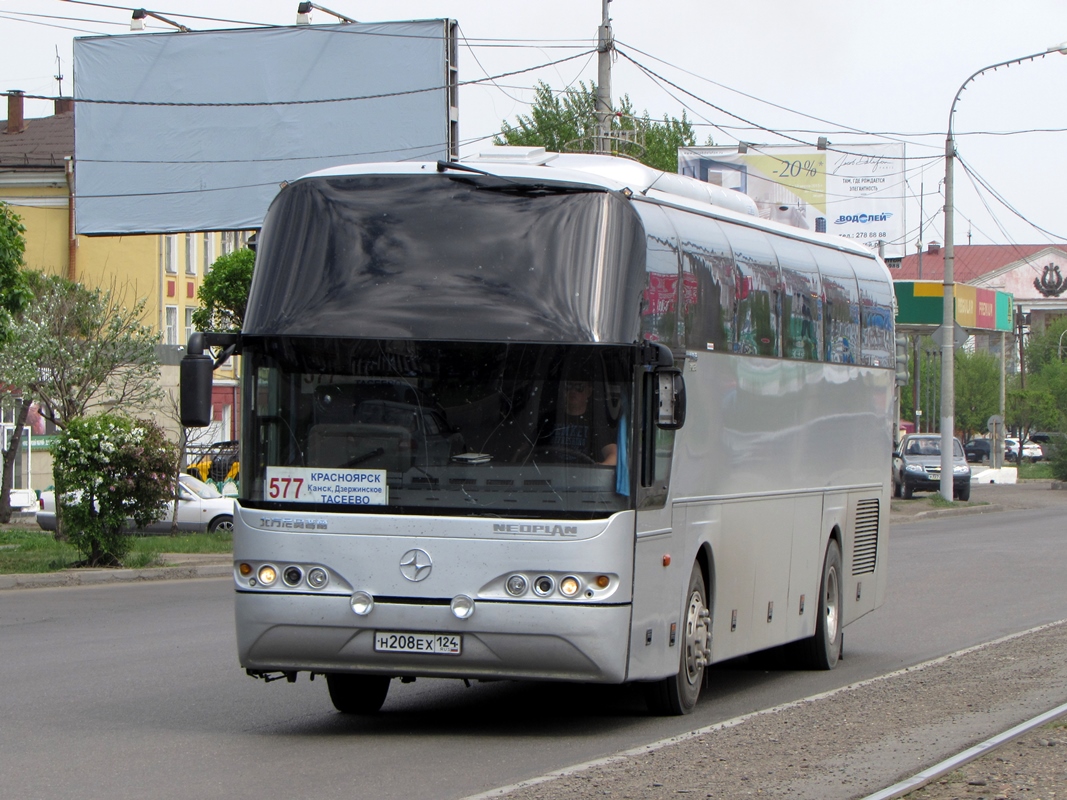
{"x":441,"y":644}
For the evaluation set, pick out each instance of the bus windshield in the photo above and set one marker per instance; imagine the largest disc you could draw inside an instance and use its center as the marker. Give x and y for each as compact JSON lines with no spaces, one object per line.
{"x":517,"y":430}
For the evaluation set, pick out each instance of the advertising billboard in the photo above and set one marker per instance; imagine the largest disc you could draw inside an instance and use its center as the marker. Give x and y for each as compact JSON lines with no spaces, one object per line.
{"x":195,"y":131}
{"x":851,"y":190}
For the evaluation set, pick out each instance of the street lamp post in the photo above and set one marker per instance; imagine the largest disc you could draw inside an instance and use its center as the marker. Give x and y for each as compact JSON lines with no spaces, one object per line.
{"x":948,"y":315}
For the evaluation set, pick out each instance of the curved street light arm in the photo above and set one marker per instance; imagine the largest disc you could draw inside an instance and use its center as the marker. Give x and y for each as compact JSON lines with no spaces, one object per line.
{"x":948,"y":315}
{"x":1056,"y":48}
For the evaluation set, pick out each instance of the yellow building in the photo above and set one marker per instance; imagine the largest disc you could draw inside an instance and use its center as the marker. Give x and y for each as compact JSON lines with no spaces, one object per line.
{"x":37,"y":173}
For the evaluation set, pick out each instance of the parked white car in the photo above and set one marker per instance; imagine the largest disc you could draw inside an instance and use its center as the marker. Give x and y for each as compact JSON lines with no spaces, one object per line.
{"x":200,"y":508}
{"x":1031,"y":450}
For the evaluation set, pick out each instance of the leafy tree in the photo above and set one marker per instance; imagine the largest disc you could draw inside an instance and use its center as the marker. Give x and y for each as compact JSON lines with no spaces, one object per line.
{"x":1056,"y":451}
{"x":1053,"y":379}
{"x":977,"y":384}
{"x":1030,"y":409}
{"x":14,"y":294}
{"x":75,"y":349}
{"x":110,"y":468}
{"x":568,"y":123}
{"x":224,"y":292}
{"x":1046,"y":347}
{"x":929,"y":384}
{"x":1046,"y":367}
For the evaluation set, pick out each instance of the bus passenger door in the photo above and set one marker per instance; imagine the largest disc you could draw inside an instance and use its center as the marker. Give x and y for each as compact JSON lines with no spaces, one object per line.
{"x":658,"y":572}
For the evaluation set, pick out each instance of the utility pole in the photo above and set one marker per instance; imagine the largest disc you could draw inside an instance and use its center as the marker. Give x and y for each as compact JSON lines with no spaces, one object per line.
{"x":605,"y":46}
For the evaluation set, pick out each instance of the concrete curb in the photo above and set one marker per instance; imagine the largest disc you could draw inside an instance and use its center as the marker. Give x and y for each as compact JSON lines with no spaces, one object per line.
{"x":948,"y":512}
{"x":90,"y":577}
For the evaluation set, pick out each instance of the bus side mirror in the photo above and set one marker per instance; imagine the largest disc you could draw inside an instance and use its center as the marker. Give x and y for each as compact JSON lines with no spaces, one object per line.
{"x":670,"y":399}
{"x":195,"y":375}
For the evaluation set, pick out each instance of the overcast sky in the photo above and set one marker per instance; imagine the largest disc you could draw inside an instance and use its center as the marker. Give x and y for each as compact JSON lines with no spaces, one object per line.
{"x":830,"y":68}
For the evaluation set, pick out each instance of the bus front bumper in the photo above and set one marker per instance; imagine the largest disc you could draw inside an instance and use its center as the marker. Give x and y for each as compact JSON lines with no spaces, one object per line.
{"x":534,"y":641}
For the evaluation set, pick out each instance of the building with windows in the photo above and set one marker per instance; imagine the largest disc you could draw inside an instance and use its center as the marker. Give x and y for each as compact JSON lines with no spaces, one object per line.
{"x":37,"y":177}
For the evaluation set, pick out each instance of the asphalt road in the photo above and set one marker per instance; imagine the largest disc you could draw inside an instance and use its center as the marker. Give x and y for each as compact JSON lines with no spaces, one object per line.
{"x":133,"y":690}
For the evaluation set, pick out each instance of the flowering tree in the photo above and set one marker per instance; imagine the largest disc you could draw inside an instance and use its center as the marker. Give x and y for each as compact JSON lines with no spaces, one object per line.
{"x":75,"y":350}
{"x":110,"y":469}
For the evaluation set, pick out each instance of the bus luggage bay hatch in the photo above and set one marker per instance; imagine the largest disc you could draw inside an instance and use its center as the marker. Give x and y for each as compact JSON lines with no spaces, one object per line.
{"x":550,"y":417}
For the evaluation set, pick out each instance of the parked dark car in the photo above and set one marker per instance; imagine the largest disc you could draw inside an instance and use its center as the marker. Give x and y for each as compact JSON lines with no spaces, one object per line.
{"x":978,"y":451}
{"x":917,"y":466}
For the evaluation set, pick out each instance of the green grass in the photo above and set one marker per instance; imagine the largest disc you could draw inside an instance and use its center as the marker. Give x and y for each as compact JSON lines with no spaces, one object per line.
{"x":25,"y":549}
{"x":1039,"y":470}
{"x":937,"y":501}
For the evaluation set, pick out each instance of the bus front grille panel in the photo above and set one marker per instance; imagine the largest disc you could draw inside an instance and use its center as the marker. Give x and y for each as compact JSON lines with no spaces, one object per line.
{"x":865,"y":549}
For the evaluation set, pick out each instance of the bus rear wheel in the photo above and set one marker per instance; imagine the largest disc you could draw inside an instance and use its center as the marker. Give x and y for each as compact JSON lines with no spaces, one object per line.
{"x":357,"y":694}
{"x":679,"y":693}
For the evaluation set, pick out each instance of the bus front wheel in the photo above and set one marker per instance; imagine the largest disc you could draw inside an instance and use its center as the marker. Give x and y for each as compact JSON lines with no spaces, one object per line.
{"x":357,"y":694}
{"x":678,"y":694}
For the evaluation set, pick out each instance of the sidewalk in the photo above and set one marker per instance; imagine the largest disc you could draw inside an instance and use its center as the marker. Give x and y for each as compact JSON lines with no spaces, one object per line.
{"x":175,"y":566}
{"x":985,"y":498}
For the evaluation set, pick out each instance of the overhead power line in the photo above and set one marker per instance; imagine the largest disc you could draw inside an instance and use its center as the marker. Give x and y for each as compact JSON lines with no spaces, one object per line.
{"x":317,"y":101}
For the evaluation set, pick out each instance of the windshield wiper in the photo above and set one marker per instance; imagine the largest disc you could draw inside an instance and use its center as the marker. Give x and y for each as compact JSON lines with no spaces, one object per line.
{"x":442,"y":166}
{"x":498,"y":183}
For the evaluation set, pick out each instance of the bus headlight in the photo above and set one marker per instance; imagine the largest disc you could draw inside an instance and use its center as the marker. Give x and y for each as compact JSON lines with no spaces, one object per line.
{"x":516,"y":585}
{"x":317,"y":578}
{"x":267,"y":575}
{"x":569,"y":586}
{"x":292,"y":575}
{"x":544,"y":585}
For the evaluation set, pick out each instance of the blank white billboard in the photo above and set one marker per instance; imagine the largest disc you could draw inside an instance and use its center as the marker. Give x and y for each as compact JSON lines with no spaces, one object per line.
{"x":195,"y":131}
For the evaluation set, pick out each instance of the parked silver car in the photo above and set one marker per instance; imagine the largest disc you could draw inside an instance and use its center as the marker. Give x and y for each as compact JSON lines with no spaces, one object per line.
{"x":200,"y":508}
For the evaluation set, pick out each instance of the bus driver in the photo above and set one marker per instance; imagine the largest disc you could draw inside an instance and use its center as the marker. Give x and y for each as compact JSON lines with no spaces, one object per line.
{"x":575,"y":431}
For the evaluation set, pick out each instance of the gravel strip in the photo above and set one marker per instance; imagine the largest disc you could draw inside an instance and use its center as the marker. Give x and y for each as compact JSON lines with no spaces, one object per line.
{"x":858,"y":740}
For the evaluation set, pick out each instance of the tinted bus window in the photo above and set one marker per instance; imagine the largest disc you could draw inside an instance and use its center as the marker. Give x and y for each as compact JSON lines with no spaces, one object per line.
{"x":801,"y":301}
{"x":842,"y":309}
{"x":876,"y":315}
{"x":660,"y":320}
{"x":758,"y":291}
{"x":708,"y":283}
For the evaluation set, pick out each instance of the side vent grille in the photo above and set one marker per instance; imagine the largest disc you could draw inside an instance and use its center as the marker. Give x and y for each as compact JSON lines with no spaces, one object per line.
{"x":865,"y":552}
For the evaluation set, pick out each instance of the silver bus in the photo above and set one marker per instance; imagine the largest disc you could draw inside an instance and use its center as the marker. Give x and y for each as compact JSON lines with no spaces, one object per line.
{"x":550,"y":417}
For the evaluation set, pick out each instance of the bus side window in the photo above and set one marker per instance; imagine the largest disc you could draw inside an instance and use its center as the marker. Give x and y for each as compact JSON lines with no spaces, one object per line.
{"x":657,"y":450}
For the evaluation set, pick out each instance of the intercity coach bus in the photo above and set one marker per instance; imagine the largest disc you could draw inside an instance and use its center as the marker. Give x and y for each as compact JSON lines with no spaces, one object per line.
{"x":550,"y":417}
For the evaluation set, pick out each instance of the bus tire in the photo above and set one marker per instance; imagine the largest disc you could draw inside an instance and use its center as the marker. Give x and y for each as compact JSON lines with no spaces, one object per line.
{"x":823,"y":649}
{"x":678,"y":694}
{"x":357,"y":694}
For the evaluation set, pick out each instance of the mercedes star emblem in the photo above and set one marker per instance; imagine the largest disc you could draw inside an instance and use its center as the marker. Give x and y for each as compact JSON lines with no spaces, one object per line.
{"x":415,"y":565}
